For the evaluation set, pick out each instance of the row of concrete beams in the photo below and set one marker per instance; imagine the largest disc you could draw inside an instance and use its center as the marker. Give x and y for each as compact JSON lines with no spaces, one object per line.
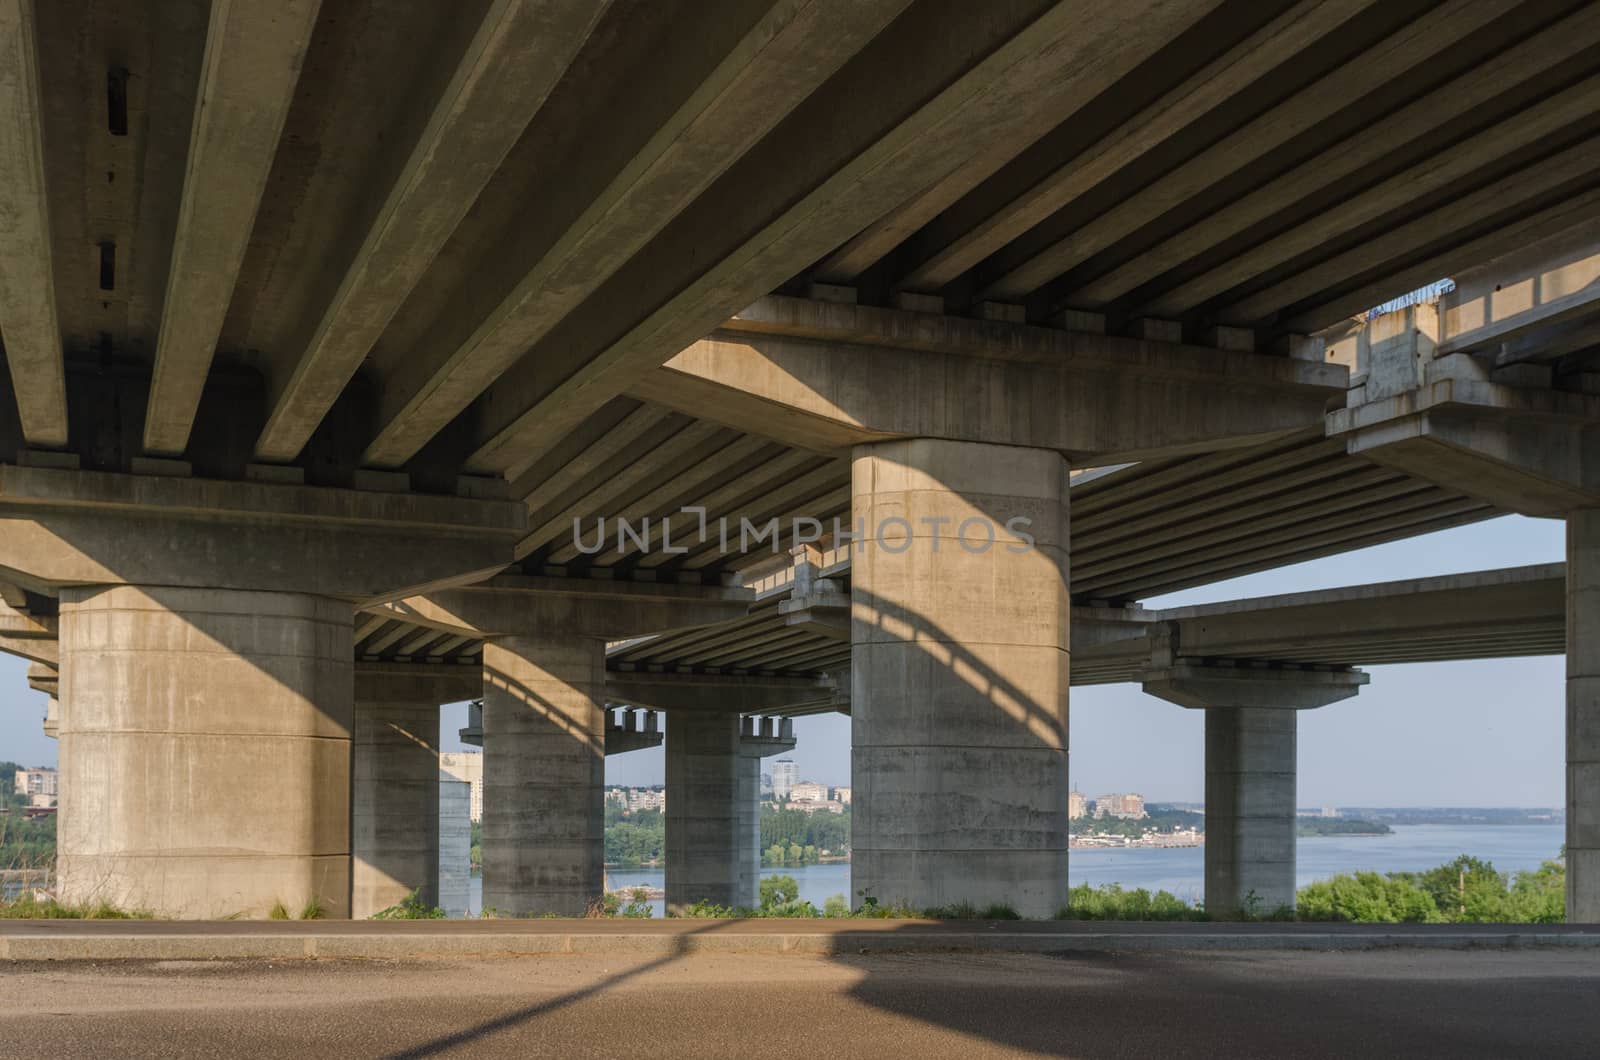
{"x":1203,"y":204}
{"x":265,"y":155}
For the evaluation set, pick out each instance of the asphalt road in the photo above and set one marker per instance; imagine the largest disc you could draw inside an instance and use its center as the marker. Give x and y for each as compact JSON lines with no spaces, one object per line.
{"x":1370,"y":1004}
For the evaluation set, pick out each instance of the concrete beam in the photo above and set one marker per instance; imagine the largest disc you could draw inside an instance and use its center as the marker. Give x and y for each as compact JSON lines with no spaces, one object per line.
{"x":251,"y":66}
{"x":1199,"y":686}
{"x":521,"y":49}
{"x":742,"y":693}
{"x":1449,"y":102}
{"x":29,"y":324}
{"x":1027,"y":266}
{"x":779,"y":61}
{"x":1143,"y":31}
{"x":1532,"y":451}
{"x":1096,"y":398}
{"x":387,"y":682}
{"x":507,"y":605}
{"x":945,"y":252}
{"x":60,"y":527}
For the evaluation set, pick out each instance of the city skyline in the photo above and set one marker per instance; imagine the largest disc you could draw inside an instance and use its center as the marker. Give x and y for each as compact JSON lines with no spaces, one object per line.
{"x":1447,"y":731}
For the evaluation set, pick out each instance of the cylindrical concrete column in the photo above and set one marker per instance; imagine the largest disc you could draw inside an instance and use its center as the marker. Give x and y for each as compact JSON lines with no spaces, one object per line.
{"x":1583,"y":717}
{"x":208,"y":746}
{"x":1250,"y":796}
{"x":704,"y":825}
{"x":394,"y":806}
{"x":959,"y":674}
{"x":543,"y":774}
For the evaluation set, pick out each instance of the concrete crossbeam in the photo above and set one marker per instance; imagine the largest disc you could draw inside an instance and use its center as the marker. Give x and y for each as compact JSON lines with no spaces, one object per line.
{"x":862,"y":374}
{"x":61,"y":527}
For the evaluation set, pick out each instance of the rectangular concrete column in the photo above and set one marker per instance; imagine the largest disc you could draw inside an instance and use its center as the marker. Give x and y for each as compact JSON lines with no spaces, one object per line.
{"x":1583,"y":717}
{"x":748,"y":855}
{"x":455,"y":845}
{"x":394,"y":806}
{"x":543,"y":774}
{"x":208,"y":746}
{"x":705,"y":830}
{"x":1250,"y":803}
{"x":959,"y":675}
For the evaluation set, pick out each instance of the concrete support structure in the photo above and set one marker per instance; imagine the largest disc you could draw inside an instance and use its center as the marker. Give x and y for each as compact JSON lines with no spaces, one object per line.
{"x":707,"y":835}
{"x":209,"y":750}
{"x":960,"y":674}
{"x":1583,"y":716}
{"x":455,"y":845}
{"x":1250,"y":802}
{"x":543,"y":773}
{"x":394,"y":806}
{"x":1251,"y":719}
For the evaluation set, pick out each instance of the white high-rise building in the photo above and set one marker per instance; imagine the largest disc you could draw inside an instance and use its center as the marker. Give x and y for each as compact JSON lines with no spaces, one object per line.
{"x":785,"y":775}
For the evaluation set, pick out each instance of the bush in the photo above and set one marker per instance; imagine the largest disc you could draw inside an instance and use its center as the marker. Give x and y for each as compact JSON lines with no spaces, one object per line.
{"x":836,"y":906}
{"x":1111,"y":902}
{"x":411,"y":907}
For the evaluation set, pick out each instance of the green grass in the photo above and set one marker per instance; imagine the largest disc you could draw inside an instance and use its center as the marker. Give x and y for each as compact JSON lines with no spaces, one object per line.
{"x":1111,"y":902}
{"x":411,"y":907}
{"x":27,"y":907}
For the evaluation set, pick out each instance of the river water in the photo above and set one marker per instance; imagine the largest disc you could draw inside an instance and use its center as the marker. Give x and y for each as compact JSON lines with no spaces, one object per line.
{"x":1181,"y":870}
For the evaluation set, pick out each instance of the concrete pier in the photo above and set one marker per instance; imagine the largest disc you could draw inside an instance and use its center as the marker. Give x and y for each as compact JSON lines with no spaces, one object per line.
{"x":394,"y":806}
{"x":707,"y":835}
{"x":960,"y":675}
{"x":1250,"y":802}
{"x":1252,"y":714}
{"x":1583,"y":716}
{"x":455,"y":845}
{"x":543,"y":774}
{"x":209,"y":750}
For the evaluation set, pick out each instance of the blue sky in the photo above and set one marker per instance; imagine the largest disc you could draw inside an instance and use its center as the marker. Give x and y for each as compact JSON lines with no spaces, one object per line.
{"x":1445,"y":734}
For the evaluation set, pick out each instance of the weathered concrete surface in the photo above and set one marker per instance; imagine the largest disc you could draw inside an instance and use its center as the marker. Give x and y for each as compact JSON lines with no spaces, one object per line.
{"x":543,"y":774}
{"x":959,"y":677}
{"x":1583,"y":717}
{"x":455,"y":845}
{"x":1250,"y":802}
{"x":394,"y":805}
{"x":704,"y":852}
{"x":208,"y":742}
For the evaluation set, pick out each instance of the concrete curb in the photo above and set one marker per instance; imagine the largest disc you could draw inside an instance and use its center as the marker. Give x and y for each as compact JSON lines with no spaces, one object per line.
{"x":367,"y":946}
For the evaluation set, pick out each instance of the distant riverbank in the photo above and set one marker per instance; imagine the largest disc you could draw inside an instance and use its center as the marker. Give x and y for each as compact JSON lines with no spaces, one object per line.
{"x":1181,"y":870}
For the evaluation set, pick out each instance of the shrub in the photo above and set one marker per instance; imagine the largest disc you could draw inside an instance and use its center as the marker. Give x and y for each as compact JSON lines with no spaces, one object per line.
{"x":411,"y":907}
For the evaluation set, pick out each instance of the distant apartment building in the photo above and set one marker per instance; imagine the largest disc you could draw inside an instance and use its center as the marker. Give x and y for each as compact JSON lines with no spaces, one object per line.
{"x":785,"y":775}
{"x":766,"y":785}
{"x":467,"y":766}
{"x":842,"y":796}
{"x":1077,"y":805}
{"x":41,"y":786}
{"x":633,"y":800}
{"x":808,"y":791}
{"x":1130,"y":805}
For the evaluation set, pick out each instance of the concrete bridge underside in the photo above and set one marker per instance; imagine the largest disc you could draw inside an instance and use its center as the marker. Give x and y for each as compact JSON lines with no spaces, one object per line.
{"x":333,"y":329}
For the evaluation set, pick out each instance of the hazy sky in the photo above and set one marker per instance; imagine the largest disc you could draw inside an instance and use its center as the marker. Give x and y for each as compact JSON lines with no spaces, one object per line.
{"x":1443,"y":734}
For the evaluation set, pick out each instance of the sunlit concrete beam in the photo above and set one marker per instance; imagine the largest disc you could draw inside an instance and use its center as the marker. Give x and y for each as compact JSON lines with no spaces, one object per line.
{"x":30,"y":330}
{"x":252,"y":64}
